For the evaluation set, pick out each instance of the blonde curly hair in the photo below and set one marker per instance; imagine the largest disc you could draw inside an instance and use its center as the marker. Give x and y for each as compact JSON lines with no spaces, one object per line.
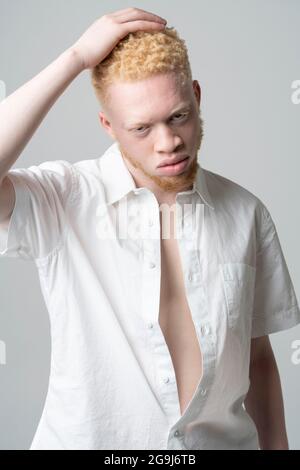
{"x":140,"y":55}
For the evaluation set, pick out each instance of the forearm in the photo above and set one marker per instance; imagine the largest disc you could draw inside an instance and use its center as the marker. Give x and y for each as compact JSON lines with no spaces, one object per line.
{"x":264,"y":403}
{"x":22,"y":112}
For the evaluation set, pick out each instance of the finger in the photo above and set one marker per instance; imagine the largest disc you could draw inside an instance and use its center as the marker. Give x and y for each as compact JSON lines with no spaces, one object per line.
{"x":148,"y":15}
{"x":140,"y":15}
{"x":144,"y":25}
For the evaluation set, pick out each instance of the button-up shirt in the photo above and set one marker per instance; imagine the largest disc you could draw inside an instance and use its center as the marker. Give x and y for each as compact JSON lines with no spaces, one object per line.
{"x":94,"y":237}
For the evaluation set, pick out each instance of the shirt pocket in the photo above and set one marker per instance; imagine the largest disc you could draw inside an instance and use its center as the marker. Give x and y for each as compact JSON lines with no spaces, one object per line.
{"x":239,"y":287}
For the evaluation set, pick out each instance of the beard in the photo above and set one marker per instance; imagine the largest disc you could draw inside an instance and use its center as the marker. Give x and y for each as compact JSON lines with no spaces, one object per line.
{"x":174,"y":183}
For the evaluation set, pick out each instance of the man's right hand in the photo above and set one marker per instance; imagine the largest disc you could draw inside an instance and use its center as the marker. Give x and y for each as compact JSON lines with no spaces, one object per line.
{"x":105,"y":33}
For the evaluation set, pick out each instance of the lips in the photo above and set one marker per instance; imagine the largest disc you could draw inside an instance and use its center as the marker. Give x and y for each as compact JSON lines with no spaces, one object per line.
{"x":175,"y":169}
{"x":172,"y":162}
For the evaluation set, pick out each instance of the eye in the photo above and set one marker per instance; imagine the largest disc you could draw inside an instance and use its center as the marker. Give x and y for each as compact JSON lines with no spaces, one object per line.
{"x":140,"y":129}
{"x":180,"y":115}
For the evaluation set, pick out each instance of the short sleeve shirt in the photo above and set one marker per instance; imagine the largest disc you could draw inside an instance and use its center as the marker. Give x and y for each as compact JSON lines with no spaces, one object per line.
{"x":95,"y":240}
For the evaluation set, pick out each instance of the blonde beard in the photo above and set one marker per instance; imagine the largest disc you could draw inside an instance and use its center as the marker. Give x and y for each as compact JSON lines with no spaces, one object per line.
{"x":171,"y":183}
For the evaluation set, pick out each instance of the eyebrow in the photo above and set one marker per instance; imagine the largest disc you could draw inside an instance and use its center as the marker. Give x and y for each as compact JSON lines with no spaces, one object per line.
{"x":181,"y":107}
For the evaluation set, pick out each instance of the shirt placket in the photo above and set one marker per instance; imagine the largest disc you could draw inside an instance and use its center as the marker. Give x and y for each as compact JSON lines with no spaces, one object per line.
{"x":164,"y":374}
{"x":189,"y":226}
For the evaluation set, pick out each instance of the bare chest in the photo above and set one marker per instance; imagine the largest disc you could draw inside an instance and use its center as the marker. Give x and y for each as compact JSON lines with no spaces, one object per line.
{"x":176,"y":323}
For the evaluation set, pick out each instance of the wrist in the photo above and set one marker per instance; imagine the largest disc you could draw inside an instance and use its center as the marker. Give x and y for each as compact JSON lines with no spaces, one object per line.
{"x":76,"y":58}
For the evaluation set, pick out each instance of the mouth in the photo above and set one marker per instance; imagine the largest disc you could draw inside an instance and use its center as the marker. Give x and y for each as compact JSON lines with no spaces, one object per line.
{"x":174,"y":168}
{"x":164,"y":165}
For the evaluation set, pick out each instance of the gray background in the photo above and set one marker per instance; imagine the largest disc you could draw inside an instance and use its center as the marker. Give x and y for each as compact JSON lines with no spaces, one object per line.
{"x":244,"y":55}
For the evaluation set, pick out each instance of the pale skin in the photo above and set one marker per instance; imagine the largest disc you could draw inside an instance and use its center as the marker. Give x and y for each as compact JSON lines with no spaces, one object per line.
{"x":22,"y":112}
{"x":171,"y":129}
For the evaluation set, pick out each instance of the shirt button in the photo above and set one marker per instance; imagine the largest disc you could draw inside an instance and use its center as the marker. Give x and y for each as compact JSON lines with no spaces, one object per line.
{"x":203,"y":391}
{"x":166,"y":380}
{"x":150,"y":325}
{"x":150,"y":223}
{"x":151,"y":265}
{"x":190,"y":277}
{"x":176,"y":433}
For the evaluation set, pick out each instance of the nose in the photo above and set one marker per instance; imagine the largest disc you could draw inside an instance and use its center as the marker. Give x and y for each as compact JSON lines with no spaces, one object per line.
{"x":167,"y":141}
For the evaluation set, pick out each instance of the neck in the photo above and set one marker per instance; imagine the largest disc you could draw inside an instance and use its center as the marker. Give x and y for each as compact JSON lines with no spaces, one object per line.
{"x":162,"y":196}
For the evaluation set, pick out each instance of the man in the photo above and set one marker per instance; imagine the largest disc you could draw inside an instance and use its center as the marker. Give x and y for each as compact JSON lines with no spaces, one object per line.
{"x":162,"y":280}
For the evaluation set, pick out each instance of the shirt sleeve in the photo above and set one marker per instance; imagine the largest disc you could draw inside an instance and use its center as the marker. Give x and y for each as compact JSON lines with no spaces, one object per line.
{"x":38,"y":220}
{"x":275,"y":304}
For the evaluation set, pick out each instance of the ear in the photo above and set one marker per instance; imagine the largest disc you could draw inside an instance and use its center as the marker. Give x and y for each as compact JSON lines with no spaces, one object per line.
{"x":197,"y":91}
{"x":106,"y":124}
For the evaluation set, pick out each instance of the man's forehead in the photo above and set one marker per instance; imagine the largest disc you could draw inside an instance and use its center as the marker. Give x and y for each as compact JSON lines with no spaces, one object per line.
{"x":141,"y":101}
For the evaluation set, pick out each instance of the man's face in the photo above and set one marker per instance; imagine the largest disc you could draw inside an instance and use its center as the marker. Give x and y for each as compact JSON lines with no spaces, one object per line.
{"x":156,"y":121}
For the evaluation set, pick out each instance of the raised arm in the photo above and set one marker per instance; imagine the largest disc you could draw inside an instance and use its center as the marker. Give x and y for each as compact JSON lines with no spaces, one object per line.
{"x":22,"y":112}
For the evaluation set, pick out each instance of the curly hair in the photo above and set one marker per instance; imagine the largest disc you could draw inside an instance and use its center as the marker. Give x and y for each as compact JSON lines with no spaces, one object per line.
{"x":140,"y":55}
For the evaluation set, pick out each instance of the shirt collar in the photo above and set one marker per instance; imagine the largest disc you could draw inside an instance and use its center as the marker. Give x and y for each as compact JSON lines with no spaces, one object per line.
{"x":118,"y":180}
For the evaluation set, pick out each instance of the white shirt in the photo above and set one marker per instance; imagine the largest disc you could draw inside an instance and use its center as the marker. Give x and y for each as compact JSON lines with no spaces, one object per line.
{"x":112,"y":383}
